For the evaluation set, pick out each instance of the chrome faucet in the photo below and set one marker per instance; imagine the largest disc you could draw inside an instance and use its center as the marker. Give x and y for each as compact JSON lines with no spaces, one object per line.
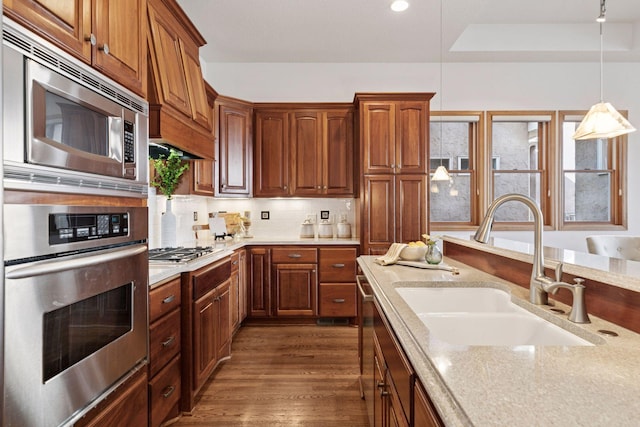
{"x":537,"y":294}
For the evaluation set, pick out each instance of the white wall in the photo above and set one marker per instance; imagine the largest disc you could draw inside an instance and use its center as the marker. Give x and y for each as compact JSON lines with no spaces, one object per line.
{"x":465,"y":86}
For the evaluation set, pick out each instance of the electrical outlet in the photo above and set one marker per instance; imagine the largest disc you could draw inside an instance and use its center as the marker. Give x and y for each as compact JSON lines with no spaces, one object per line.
{"x":264,"y":214}
{"x":324,"y":214}
{"x":195,"y":216}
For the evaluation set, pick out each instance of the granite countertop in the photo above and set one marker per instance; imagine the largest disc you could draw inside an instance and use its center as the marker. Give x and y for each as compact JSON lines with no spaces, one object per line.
{"x":159,"y":273}
{"x":513,"y":386}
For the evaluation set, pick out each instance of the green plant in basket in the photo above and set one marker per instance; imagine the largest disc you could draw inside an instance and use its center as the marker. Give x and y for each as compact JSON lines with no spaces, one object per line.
{"x":168,"y":172}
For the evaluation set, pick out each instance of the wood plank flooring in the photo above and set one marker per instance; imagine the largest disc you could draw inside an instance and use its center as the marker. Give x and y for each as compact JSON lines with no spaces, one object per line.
{"x":294,"y":376}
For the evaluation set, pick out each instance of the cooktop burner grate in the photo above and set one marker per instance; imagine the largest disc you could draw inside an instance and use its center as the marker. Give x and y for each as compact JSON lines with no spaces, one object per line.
{"x":180,"y":254}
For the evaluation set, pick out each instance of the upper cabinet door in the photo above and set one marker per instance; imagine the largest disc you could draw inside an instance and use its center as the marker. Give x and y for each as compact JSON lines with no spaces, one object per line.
{"x":338,"y":155}
{"x":200,"y":110}
{"x":272,"y":154}
{"x":378,"y":137}
{"x":168,"y":58}
{"x":411,"y":137}
{"x":234,"y":152}
{"x":306,"y":153}
{"x":120,"y":28}
{"x":65,"y":23}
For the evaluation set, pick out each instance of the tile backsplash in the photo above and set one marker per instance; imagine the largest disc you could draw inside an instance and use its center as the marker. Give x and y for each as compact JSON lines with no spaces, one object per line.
{"x":285,"y":215}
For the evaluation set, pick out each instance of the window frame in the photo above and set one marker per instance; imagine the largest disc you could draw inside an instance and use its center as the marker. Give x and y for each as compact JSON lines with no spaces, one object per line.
{"x":476,"y":136}
{"x":617,"y":153}
{"x":546,"y":147}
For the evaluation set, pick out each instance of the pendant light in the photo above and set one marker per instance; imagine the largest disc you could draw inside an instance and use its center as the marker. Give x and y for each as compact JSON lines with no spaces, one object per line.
{"x":602,"y":120}
{"x":441,"y":173}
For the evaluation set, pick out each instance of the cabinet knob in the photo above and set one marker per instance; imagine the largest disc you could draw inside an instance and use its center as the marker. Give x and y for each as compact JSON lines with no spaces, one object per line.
{"x":104,"y":48}
{"x":91,"y":38}
{"x":325,"y":187}
{"x":284,"y":187}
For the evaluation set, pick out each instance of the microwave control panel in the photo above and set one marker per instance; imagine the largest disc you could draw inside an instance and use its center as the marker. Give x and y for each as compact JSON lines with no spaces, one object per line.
{"x":129,"y":143}
{"x":69,"y":228}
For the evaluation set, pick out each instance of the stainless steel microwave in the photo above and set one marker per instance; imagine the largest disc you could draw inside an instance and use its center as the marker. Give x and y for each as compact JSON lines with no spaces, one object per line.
{"x":67,"y":125}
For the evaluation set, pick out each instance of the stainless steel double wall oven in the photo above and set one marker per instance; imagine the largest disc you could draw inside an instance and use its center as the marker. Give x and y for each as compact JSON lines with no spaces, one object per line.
{"x":76,"y":272}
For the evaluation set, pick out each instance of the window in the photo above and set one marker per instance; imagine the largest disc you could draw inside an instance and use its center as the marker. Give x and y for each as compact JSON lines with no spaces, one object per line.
{"x":522,"y":140}
{"x":454,"y":139}
{"x":591,"y":185}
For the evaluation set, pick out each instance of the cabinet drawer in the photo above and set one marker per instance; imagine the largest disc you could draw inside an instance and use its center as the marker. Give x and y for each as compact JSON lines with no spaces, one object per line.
{"x":294,"y":255}
{"x":338,"y":300}
{"x":164,"y":341}
{"x":338,"y":264}
{"x":164,"y":393}
{"x":163,"y":299}
{"x":235,"y":261}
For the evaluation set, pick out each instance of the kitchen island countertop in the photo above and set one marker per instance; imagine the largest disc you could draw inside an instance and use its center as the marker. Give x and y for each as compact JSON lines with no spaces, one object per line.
{"x":515,"y":386}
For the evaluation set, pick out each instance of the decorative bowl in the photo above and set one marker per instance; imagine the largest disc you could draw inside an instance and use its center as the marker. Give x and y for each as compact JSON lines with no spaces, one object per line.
{"x":413,"y":253}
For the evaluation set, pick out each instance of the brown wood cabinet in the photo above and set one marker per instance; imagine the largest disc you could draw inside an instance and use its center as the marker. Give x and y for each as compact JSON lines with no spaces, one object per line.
{"x":400,"y":399}
{"x":164,"y":352}
{"x":234,"y":147}
{"x":206,"y":326}
{"x":393,"y":131}
{"x":283,"y":283}
{"x":126,"y":407}
{"x":110,"y":35}
{"x":337,"y":282}
{"x":295,"y":281}
{"x":238,"y":289}
{"x":211,"y":332}
{"x":179,"y":111}
{"x":198,"y":179}
{"x":304,"y":150}
{"x":271,"y":154}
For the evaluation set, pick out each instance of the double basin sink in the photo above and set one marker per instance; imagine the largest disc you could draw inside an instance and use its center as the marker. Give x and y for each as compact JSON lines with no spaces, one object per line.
{"x":482,"y":316}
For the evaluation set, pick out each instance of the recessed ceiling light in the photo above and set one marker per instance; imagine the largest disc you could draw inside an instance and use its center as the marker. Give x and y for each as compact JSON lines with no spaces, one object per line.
{"x":399,"y":5}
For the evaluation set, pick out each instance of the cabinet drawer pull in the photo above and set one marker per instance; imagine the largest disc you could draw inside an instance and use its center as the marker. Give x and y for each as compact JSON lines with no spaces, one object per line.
{"x":295,"y":256}
{"x":381,"y":384}
{"x":235,"y":263}
{"x":169,"y":341}
{"x":168,"y":391}
{"x":338,"y":266}
{"x":338,"y":300}
{"x":168,"y":299}
{"x":384,"y":393}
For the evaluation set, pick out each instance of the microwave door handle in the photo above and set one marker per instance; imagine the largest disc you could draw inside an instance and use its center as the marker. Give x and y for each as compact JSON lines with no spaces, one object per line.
{"x":57,"y":266}
{"x":116,"y":133}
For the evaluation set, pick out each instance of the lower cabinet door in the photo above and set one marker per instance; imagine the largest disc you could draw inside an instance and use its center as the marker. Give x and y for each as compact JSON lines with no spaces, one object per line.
{"x":296,"y":289}
{"x":164,"y":392}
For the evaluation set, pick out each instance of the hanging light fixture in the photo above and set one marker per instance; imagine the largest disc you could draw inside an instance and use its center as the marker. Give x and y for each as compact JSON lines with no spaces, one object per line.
{"x":441,"y":173}
{"x":399,"y":5}
{"x":602,"y":120}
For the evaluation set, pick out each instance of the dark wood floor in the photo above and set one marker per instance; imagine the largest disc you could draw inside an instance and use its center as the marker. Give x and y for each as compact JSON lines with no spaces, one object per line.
{"x":302,"y":376}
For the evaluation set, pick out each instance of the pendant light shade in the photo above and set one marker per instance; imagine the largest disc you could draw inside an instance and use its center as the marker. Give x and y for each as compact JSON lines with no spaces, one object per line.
{"x":441,"y":174}
{"x":602,"y":120}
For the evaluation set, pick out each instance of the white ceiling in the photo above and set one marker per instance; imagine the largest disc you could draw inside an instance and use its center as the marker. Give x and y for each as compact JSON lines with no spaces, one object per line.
{"x":368,"y":31}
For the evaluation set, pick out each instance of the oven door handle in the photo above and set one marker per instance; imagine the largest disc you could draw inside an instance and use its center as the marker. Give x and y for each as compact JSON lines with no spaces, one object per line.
{"x":50,"y":267}
{"x":365,"y":296}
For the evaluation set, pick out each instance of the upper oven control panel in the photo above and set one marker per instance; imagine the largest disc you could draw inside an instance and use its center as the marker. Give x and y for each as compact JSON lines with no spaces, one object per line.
{"x":79,"y":227}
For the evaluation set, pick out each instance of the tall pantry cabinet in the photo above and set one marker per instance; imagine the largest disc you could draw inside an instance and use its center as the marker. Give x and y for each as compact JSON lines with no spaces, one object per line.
{"x":393,"y":131}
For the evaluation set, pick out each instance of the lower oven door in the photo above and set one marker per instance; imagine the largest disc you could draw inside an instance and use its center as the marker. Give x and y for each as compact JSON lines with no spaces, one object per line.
{"x":74,"y":326}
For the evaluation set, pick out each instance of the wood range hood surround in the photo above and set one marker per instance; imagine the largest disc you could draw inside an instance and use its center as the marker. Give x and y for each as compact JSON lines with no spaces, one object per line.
{"x":179,"y":113}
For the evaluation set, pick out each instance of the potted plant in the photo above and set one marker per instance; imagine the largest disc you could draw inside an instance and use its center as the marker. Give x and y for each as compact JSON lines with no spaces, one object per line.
{"x":169,"y":170}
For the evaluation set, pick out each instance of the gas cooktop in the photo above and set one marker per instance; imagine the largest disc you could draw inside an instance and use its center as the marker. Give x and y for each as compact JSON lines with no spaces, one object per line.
{"x":178,"y":255}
